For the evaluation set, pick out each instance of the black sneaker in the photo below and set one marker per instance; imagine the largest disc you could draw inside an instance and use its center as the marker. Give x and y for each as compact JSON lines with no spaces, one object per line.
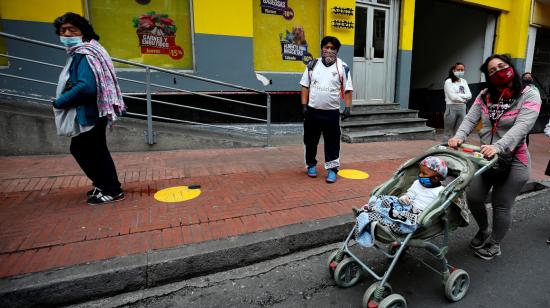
{"x":101,"y":198}
{"x":480,"y":239}
{"x":93,"y":192}
{"x":489,"y":251}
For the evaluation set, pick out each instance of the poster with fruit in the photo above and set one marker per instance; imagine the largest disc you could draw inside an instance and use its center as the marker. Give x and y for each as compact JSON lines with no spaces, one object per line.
{"x":157,"y":35}
{"x":287,"y":34}
{"x":150,"y":32}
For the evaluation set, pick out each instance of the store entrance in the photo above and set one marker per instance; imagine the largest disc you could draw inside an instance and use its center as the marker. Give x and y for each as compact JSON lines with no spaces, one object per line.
{"x":371,"y":52}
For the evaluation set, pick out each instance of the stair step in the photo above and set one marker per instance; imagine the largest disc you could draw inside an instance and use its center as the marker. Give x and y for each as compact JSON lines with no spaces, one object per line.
{"x":364,"y":106}
{"x":383,"y":114}
{"x":411,"y":133}
{"x":355,"y":125}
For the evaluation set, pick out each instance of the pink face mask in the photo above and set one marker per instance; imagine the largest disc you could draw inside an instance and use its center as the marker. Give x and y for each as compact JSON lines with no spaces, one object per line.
{"x":502,"y":77}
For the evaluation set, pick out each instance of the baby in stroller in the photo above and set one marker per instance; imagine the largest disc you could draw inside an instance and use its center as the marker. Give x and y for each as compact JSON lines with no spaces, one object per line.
{"x":401,"y":214}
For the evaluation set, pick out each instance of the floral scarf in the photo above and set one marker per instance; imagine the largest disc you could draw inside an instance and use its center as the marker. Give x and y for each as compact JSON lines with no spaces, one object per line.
{"x":109,"y":96}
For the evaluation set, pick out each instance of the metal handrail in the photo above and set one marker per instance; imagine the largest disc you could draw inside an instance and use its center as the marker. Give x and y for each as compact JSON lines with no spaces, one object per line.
{"x":148,"y":84}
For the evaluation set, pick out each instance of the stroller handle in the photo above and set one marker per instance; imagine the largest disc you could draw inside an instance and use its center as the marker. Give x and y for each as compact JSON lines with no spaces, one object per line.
{"x":471,"y":152}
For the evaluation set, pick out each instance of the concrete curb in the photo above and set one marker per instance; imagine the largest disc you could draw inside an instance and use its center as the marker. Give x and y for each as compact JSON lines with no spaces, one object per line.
{"x":124,"y":274}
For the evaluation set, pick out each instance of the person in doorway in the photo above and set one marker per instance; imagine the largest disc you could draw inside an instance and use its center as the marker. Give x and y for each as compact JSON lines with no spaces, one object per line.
{"x":527,"y":81}
{"x":88,"y":84}
{"x":457,"y":94}
{"x":547,"y":172}
{"x":507,"y":113}
{"x":325,"y":82}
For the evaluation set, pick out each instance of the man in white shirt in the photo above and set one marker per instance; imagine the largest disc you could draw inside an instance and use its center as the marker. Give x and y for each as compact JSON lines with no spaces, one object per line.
{"x":325,"y":82}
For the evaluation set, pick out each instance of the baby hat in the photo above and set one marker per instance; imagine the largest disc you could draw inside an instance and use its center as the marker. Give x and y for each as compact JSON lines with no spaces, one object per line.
{"x":436,"y":164}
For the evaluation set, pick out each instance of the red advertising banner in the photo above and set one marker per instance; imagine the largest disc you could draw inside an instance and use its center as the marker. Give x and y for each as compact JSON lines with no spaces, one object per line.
{"x":157,"y":35}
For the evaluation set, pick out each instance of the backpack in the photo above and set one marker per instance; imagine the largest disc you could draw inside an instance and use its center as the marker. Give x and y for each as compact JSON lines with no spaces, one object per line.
{"x":311,"y":65}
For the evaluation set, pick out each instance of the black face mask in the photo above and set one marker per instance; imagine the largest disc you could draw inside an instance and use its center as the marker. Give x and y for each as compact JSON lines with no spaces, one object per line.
{"x":527,"y":82}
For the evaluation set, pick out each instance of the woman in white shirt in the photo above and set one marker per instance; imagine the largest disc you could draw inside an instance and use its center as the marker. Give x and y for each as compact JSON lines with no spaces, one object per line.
{"x":457,"y":95}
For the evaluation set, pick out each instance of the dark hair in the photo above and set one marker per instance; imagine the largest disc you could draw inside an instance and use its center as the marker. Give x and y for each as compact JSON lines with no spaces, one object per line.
{"x":526,"y":73}
{"x":451,"y":74}
{"x":516,"y":83}
{"x":78,"y":21}
{"x":330,"y":39}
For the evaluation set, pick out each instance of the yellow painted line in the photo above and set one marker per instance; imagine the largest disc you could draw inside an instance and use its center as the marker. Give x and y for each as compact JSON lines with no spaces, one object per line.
{"x":177,"y":194}
{"x":353,"y":174}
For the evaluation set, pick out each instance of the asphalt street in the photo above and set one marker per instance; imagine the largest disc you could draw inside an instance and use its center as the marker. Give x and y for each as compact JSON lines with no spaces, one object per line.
{"x":520,"y":277}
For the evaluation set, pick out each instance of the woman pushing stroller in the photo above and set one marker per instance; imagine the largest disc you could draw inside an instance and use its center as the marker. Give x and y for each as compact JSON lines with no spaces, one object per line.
{"x":507,"y":112}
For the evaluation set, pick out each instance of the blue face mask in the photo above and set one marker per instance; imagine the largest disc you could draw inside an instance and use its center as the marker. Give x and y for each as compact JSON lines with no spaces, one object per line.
{"x":459,"y":74}
{"x":70,"y":41}
{"x":425,"y":181}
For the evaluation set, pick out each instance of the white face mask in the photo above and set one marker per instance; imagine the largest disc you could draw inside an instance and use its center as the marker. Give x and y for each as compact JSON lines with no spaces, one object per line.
{"x":70,"y":41}
{"x":458,"y":74}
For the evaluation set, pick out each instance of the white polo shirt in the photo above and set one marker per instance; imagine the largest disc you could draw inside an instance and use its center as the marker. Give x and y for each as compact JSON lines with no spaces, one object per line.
{"x":324,"y":88}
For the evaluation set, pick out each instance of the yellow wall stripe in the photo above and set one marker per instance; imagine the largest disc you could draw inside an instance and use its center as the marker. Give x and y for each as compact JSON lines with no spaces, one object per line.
{"x":38,"y":10}
{"x":504,"y":5}
{"x":512,"y":29}
{"x":223,"y":17}
{"x":407,"y":25}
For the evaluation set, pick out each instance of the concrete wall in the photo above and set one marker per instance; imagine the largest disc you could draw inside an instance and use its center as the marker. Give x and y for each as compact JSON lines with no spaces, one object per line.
{"x":29,"y":129}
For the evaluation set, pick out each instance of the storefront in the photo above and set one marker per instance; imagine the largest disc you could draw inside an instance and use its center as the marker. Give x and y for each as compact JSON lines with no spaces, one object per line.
{"x":396,"y":48}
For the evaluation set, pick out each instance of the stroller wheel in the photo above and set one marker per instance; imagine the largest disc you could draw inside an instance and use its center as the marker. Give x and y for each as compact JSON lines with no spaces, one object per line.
{"x":393,"y":301}
{"x":333,"y":259}
{"x":369,"y":294}
{"x":347,"y":273}
{"x":457,"y":285}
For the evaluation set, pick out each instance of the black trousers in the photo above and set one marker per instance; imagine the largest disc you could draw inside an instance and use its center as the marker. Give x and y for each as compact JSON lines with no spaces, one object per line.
{"x":91,"y":153}
{"x":326,"y":122}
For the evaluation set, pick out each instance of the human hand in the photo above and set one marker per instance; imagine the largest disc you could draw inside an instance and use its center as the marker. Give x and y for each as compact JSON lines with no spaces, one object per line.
{"x":346,"y":113}
{"x":304,"y":110}
{"x":489,"y":150}
{"x":454,"y":142}
{"x":405,"y":199}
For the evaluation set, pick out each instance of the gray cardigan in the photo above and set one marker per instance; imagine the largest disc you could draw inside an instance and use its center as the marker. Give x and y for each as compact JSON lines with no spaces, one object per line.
{"x":512,"y":127}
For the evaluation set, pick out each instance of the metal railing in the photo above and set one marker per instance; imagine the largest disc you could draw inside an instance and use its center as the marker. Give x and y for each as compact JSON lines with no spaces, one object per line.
{"x":149,"y":133}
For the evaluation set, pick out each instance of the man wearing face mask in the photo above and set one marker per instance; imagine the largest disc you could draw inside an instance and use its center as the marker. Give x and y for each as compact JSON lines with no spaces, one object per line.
{"x":325,"y":83}
{"x":88,"y":99}
{"x":457,"y":94}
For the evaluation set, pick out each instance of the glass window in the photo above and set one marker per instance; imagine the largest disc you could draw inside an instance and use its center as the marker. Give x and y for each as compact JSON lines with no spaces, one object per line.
{"x":150,"y":32}
{"x":379,"y":33}
{"x":383,"y":2}
{"x":360,"y":32}
{"x":286,"y":34}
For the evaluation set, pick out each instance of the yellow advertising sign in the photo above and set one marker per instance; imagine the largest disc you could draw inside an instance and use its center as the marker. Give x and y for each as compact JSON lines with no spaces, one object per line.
{"x":3,"y":49}
{"x":286,"y":34}
{"x":149,"y":32}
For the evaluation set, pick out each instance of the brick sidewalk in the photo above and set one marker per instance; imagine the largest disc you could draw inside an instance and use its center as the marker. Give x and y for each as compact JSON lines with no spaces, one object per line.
{"x":45,"y":222}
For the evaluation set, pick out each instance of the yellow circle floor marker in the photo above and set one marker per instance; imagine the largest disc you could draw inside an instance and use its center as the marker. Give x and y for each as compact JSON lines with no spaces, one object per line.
{"x":177,"y":194}
{"x":353,"y":174}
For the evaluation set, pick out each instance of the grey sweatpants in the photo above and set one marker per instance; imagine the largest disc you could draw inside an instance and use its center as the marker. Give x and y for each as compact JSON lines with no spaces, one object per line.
{"x":503,"y":197}
{"x":454,"y":114}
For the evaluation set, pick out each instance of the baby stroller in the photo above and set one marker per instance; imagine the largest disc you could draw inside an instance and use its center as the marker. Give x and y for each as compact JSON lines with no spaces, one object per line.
{"x":446,"y":213}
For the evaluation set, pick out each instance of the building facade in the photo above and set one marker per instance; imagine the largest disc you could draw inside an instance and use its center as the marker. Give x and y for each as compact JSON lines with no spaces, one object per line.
{"x":400,"y":51}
